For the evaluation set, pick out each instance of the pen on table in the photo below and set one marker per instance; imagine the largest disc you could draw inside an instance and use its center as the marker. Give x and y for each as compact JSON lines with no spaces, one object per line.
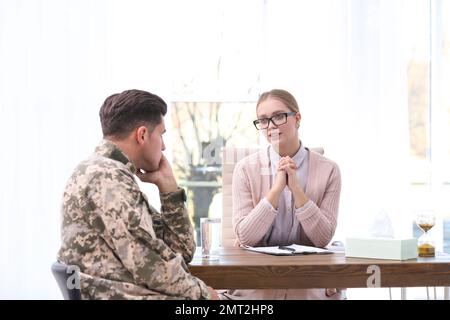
{"x":286,"y":248}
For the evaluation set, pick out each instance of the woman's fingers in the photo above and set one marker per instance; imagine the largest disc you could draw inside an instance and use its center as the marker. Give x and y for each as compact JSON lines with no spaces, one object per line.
{"x":289,"y":168}
{"x":287,"y":161}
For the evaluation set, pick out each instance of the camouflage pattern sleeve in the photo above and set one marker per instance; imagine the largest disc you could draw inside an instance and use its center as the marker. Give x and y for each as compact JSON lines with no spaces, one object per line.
{"x":175,"y":228}
{"x":119,"y":209}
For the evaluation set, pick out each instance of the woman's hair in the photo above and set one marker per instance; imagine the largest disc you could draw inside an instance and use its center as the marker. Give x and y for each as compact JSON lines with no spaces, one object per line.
{"x":281,"y":95}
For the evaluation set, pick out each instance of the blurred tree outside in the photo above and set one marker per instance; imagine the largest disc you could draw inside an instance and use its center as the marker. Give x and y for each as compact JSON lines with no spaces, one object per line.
{"x":202,"y":129}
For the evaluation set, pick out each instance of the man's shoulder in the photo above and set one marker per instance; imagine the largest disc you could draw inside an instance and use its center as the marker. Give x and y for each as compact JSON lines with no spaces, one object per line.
{"x":98,"y":169}
{"x":96,"y":179}
{"x":98,"y":166}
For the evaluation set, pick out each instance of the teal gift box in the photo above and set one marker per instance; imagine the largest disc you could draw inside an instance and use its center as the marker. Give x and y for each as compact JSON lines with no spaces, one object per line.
{"x":381,"y":248}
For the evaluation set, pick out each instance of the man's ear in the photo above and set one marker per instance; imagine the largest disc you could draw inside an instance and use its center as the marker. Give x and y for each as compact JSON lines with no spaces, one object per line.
{"x":141,"y":134}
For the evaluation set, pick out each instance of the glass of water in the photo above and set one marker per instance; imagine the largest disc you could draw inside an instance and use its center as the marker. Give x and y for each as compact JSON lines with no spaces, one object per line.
{"x":210,"y":237}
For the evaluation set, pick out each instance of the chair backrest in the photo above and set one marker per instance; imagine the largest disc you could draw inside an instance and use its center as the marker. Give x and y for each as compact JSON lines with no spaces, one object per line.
{"x":64,"y":275}
{"x":230,"y":157}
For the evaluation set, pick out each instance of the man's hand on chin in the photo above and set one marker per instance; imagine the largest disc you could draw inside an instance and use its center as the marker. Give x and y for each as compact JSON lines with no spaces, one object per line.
{"x":162,"y":177}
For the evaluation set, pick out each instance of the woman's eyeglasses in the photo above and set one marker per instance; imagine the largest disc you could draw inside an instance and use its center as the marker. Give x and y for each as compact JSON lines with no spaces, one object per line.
{"x":277,"y":120}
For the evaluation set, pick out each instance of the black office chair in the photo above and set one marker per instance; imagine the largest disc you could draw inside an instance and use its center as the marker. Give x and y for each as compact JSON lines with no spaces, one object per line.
{"x":62,"y":273}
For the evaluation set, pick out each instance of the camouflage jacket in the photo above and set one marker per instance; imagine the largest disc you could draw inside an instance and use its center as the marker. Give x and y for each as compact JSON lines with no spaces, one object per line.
{"x":124,"y":248}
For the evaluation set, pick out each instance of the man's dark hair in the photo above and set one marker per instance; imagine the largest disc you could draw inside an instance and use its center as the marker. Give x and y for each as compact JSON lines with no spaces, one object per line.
{"x":123,"y":112}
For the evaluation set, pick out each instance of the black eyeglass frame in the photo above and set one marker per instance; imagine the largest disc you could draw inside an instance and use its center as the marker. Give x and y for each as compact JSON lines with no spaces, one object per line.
{"x":269,"y":120}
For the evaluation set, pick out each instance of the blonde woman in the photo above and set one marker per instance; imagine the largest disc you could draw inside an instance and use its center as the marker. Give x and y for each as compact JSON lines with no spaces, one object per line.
{"x":284,"y":194}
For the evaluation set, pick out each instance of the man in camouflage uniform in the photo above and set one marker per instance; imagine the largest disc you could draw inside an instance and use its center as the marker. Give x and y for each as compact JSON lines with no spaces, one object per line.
{"x":123,"y":247}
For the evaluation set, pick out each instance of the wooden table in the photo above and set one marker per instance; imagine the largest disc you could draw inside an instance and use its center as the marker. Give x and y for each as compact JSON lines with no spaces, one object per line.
{"x":242,"y":269}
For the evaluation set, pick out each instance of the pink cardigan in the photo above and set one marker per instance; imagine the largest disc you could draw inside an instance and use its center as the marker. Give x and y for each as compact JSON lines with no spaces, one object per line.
{"x":252,"y":218}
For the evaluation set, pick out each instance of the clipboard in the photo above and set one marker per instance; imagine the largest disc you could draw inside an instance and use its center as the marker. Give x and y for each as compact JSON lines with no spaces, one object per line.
{"x":291,"y":250}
